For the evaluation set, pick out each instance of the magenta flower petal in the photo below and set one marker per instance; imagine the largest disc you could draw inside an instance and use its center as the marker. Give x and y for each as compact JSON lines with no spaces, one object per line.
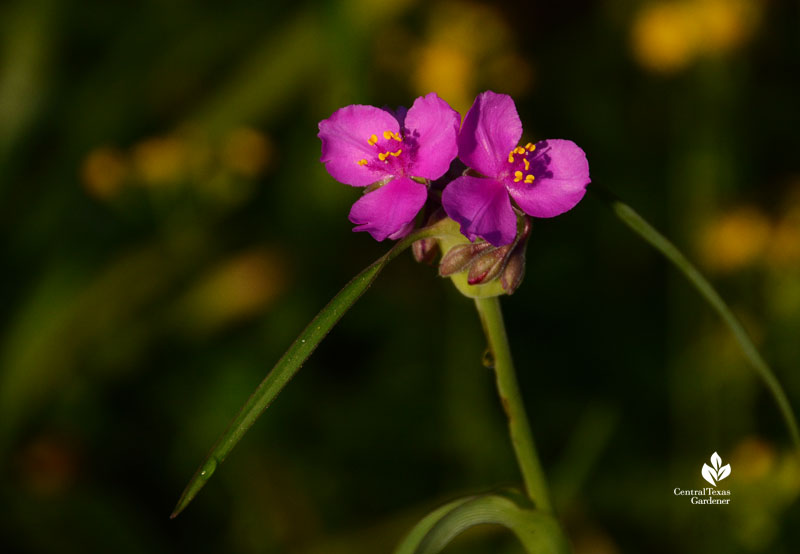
{"x":482,"y":208}
{"x":491,"y":130}
{"x":431,"y":130}
{"x":561,"y":175}
{"x":346,"y":149}
{"x":386,"y":211}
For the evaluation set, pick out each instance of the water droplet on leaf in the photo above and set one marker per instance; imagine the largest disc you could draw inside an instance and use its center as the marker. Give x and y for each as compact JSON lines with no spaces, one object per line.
{"x":208,"y":468}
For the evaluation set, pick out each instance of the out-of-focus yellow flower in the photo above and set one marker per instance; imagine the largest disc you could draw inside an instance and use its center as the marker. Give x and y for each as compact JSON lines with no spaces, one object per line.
{"x":735,"y":239}
{"x":246,"y":152}
{"x":668,"y":36}
{"x":664,"y":36}
{"x":753,"y":459}
{"x":478,"y":29}
{"x":784,"y":248}
{"x":785,"y":245}
{"x":448,"y":71}
{"x":160,"y":160}
{"x":725,"y":24}
{"x":238,"y":288}
{"x":468,"y":47}
{"x":103,"y":171}
{"x":766,"y":483}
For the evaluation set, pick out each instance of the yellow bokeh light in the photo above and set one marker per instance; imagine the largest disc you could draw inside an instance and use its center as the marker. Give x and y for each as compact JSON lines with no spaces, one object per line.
{"x":160,"y":160}
{"x":246,"y":152}
{"x":668,"y":36}
{"x":237,"y":288}
{"x":753,"y":459}
{"x":735,"y":239}
{"x":784,"y":248}
{"x":103,"y":171}
{"x":725,"y":23}
{"x":468,"y":47}
{"x":446,"y":70}
{"x":664,"y":37}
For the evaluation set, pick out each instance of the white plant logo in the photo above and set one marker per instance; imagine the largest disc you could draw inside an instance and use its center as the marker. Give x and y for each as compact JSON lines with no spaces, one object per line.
{"x":716,"y":473}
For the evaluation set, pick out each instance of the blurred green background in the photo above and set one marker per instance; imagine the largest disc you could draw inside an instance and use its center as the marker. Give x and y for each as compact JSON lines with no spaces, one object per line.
{"x":167,"y":230}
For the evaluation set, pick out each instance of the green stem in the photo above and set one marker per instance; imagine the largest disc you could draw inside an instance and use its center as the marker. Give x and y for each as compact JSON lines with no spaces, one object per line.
{"x":508,"y":389}
{"x":636,"y":223}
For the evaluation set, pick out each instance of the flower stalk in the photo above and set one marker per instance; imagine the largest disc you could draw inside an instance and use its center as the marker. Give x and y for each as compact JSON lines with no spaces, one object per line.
{"x":508,"y":390}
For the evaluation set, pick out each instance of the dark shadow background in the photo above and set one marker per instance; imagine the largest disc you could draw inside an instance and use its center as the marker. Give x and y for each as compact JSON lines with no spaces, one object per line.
{"x":167,"y":230}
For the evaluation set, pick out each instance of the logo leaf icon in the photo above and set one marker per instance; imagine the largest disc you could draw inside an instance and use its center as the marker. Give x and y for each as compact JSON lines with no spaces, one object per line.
{"x":716,"y":473}
{"x":709,"y":474}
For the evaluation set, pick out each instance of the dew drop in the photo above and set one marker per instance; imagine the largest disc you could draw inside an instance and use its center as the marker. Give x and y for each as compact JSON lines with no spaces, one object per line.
{"x":488,"y":359}
{"x":208,"y":469}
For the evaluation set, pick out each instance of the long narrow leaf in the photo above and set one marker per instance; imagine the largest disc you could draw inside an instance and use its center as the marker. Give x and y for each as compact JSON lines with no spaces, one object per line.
{"x":412,"y":540}
{"x":633,"y":220}
{"x":538,"y":532}
{"x":288,"y":365}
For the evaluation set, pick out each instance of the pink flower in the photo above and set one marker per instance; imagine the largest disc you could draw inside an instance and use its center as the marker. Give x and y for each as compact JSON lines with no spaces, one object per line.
{"x":362,"y":145}
{"x":544,"y":179}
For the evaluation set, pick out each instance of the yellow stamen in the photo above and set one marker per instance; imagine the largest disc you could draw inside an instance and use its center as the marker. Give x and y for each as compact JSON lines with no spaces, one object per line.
{"x":517,"y":176}
{"x":395,"y":154}
{"x":390,"y":135}
{"x":362,"y":162}
{"x":511,"y":157}
{"x":527,"y":164}
{"x":529,"y":178}
{"x":382,"y":156}
{"x":519,"y":150}
{"x":372,"y":140}
{"x":530,"y":147}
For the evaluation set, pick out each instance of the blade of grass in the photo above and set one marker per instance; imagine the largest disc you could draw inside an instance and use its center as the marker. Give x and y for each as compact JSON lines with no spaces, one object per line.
{"x":642,"y":228}
{"x":538,"y":532}
{"x":288,"y":365}
{"x":414,"y":537}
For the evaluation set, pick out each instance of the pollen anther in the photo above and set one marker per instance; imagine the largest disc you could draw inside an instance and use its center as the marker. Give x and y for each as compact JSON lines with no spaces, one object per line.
{"x":362,"y":161}
{"x":527,"y":164}
{"x":517,"y":176}
{"x":511,"y":157}
{"x":529,"y":178}
{"x":530,"y":147}
{"x":390,"y":135}
{"x":395,"y":154}
{"x":372,"y":140}
{"x":519,"y":150}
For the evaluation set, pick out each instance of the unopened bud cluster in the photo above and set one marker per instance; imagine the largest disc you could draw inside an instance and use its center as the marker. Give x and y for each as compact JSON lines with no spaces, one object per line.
{"x":473,"y":266}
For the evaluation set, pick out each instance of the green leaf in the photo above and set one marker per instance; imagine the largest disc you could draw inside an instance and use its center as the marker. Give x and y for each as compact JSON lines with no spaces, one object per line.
{"x":663,"y":245}
{"x":538,"y":532}
{"x":288,"y":365}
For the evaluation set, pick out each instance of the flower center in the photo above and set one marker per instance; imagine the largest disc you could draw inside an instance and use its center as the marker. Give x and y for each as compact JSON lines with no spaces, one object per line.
{"x":520,"y":165}
{"x":385,"y":148}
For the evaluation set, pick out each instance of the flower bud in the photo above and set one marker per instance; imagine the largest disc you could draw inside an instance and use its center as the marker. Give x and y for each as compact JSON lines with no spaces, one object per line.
{"x":481,"y":270}
{"x":488,"y":265}
{"x":460,"y":257}
{"x":425,"y":250}
{"x":514,"y":271}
